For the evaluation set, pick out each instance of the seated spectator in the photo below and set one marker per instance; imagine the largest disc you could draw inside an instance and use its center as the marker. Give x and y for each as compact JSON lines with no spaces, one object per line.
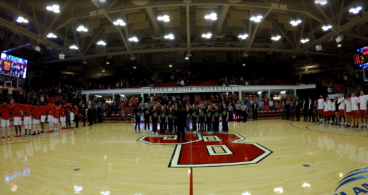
{"x":178,"y":83}
{"x":117,"y":85}
{"x":270,"y":104}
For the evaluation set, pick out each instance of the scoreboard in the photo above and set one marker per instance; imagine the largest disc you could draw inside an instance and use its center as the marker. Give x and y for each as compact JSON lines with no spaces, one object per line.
{"x":361,"y":56}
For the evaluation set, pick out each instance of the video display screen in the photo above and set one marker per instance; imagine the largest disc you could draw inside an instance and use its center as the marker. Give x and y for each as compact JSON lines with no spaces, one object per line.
{"x":13,"y":65}
{"x":361,"y":56}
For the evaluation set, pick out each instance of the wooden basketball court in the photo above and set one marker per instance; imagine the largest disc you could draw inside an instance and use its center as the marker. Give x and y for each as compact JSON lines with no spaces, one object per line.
{"x":261,"y":157}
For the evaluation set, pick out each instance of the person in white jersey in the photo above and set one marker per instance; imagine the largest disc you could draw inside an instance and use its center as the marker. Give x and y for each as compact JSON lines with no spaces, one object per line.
{"x":325,"y":110}
{"x":348,"y":112}
{"x":363,"y":109}
{"x":320,"y":109}
{"x":341,"y":104}
{"x":354,"y":112}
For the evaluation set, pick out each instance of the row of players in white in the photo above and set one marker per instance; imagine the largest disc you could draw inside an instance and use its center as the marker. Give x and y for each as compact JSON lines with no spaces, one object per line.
{"x":349,"y":106}
{"x":28,"y":121}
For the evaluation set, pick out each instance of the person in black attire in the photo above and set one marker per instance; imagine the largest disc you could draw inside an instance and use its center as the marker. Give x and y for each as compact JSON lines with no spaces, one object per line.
{"x":137,"y":118}
{"x":154,"y":119}
{"x":181,"y":115}
{"x":89,"y":114}
{"x":201,"y":116}
{"x":216,"y":117}
{"x":225,"y":119}
{"x":287,"y":110}
{"x":209,"y":119}
{"x":146,"y":113}
{"x":310,"y":110}
{"x":297,"y":110}
{"x":163,"y":119}
{"x":99,"y":114}
{"x":230,"y":109}
{"x":214,"y":100}
{"x":187,"y":119}
{"x":255,"y":111}
{"x":76,"y":116}
{"x":315,"y":111}
{"x":194,"y":119}
{"x":305,"y":110}
{"x":170,"y":120}
{"x":83,"y":112}
{"x":175,"y":119}
{"x":94,"y":113}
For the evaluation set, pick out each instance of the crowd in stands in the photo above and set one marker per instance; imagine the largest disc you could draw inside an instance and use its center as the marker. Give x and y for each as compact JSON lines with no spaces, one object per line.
{"x":120,"y":81}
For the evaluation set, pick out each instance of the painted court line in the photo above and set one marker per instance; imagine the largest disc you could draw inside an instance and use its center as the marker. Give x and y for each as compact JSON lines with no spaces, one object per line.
{"x":191,"y":182}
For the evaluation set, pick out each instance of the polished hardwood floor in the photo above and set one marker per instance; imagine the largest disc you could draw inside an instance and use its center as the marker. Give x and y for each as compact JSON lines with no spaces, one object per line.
{"x":109,"y":158}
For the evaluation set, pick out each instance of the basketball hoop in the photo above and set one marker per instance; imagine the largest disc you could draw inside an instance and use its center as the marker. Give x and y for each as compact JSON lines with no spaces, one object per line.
{"x":10,"y":89}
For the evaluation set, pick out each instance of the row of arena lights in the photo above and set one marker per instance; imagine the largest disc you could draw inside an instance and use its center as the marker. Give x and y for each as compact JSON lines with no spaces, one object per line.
{"x":166,"y":18}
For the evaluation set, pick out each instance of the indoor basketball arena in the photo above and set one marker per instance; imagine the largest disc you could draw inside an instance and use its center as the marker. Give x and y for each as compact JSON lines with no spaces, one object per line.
{"x":184,"y":97}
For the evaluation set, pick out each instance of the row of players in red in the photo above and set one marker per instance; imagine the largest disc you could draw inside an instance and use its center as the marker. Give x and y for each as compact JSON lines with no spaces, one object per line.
{"x":38,"y":114}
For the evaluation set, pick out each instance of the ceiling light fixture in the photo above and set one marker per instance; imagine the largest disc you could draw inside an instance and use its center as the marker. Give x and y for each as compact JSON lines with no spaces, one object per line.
{"x":276,"y":38}
{"x":322,"y":2}
{"x":74,"y":47}
{"x":22,"y":19}
{"x":326,"y":27}
{"x":165,"y":18}
{"x":257,"y":18}
{"x":211,"y":16}
{"x":295,"y":22}
{"x":169,"y":36}
{"x":54,"y":8}
{"x":119,"y":22}
{"x":102,"y":1}
{"x":339,"y":45}
{"x":207,"y":35}
{"x":187,"y":58}
{"x":133,"y":39}
{"x":304,"y":40}
{"x":103,"y":70}
{"x":101,"y":42}
{"x":243,"y":64}
{"x":134,"y":67}
{"x":82,"y":28}
{"x":243,"y":36}
{"x":170,"y":65}
{"x":355,"y":9}
{"x":51,"y":35}
{"x":107,"y":62}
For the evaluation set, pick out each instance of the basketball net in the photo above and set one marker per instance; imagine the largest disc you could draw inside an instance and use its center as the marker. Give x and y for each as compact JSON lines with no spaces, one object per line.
{"x":10,"y":89}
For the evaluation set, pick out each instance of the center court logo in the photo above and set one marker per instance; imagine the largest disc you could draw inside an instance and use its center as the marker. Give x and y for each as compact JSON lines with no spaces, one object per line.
{"x":210,"y":150}
{"x":357,"y":176}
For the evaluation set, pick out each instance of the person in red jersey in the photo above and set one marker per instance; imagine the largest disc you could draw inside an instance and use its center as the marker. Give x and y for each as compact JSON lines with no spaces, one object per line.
{"x":26,"y":119}
{"x":62,"y":118}
{"x":55,"y":113}
{"x":50,"y":117}
{"x":36,"y":120}
{"x":17,"y":119}
{"x":42,"y":110}
{"x":71,"y":113}
{"x":5,"y":110}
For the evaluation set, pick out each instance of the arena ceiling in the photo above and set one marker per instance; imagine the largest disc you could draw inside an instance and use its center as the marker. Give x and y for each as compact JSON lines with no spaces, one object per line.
{"x":187,"y":24}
